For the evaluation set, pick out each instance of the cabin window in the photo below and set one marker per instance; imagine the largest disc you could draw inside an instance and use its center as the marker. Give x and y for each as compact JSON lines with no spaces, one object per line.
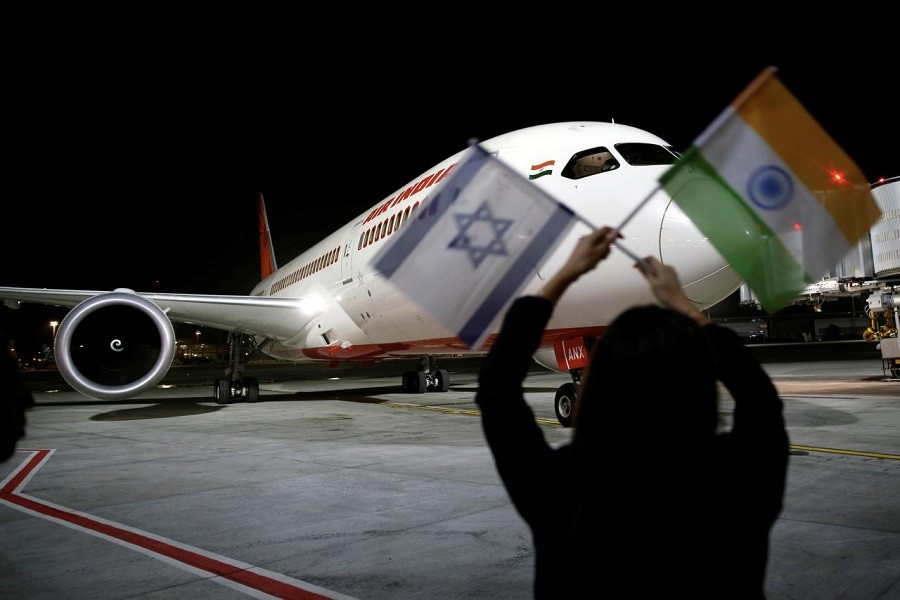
{"x":600,"y":160}
{"x":641,"y":154}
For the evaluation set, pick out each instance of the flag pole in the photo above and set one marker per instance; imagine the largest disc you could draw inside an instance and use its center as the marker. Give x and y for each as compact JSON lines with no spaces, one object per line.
{"x":714,"y":126}
{"x":639,"y":206}
{"x":627,"y":252}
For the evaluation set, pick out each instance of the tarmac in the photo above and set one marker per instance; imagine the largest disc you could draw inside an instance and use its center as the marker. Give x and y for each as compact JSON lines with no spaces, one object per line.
{"x":339,"y":485}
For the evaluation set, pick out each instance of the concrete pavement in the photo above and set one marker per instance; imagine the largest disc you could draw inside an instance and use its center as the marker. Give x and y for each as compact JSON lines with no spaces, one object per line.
{"x":349,"y":488}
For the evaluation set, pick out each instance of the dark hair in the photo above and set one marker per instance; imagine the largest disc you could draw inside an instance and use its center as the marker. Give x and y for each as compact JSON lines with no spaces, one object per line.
{"x":651,"y":373}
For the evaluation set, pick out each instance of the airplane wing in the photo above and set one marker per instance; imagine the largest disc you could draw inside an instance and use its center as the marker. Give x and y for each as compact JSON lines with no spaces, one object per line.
{"x":275,"y":318}
{"x":330,"y":304}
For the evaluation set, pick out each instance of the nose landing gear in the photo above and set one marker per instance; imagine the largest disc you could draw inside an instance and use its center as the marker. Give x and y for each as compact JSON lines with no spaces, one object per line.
{"x":564,"y":403}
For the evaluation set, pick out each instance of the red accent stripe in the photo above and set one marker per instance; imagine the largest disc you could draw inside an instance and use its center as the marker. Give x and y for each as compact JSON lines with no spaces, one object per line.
{"x":438,"y":346}
{"x":240,"y":575}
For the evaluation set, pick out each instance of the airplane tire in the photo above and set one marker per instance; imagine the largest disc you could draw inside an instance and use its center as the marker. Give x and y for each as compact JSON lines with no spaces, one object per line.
{"x":414,"y":382}
{"x":222,"y":391}
{"x":251,"y":385}
{"x":442,"y":380}
{"x":564,"y":404}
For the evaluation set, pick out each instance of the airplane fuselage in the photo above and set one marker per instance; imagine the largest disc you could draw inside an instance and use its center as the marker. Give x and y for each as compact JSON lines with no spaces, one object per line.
{"x":331,"y":304}
{"x":350,"y":312}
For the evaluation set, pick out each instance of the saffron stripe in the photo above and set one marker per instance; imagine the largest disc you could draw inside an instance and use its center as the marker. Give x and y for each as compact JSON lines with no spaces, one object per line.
{"x":546,"y":163}
{"x":782,"y":121}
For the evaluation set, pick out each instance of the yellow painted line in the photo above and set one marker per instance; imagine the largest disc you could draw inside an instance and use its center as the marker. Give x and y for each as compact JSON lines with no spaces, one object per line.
{"x":847,"y":452}
{"x":441,"y":409}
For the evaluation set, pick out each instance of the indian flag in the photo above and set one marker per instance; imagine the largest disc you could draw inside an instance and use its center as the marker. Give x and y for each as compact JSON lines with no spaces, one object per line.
{"x":775,"y":195}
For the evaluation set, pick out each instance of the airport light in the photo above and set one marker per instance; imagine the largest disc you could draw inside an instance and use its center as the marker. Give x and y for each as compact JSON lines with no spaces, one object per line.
{"x":53,"y":325}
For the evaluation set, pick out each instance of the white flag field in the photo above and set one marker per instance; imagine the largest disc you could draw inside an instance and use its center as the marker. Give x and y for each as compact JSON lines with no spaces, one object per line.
{"x":474,"y":244}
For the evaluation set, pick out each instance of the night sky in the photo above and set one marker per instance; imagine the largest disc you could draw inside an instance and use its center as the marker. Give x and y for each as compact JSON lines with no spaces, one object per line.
{"x":144,"y":173}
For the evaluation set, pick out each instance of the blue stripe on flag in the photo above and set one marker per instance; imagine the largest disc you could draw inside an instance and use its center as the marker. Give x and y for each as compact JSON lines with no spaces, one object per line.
{"x":561,"y":219}
{"x":431,"y":211}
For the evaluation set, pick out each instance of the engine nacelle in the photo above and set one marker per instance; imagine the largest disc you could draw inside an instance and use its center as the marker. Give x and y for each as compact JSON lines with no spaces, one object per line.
{"x":546,"y":358}
{"x":114,"y":345}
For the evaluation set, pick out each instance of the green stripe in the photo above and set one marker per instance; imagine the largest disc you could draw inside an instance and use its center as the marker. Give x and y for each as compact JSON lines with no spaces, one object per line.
{"x":735,"y":230}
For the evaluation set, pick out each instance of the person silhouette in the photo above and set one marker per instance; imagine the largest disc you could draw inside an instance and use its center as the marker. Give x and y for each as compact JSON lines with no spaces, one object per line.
{"x":15,"y":399}
{"x":655,"y":495}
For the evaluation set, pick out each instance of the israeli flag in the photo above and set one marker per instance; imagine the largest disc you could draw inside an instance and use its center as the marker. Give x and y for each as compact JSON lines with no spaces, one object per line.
{"x":474,"y":244}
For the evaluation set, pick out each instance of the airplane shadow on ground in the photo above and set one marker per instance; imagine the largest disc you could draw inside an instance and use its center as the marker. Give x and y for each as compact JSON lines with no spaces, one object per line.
{"x":175,"y":407}
{"x":361,"y":394}
{"x":364,"y":394}
{"x":190,"y":406}
{"x":147,"y":409}
{"x":185,"y":407}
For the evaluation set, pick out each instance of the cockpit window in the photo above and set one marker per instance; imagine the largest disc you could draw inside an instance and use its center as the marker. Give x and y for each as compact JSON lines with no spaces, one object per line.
{"x":590,"y":162}
{"x":640,"y":154}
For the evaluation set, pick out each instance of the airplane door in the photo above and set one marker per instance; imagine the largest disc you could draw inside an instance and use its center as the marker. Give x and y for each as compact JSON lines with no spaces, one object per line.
{"x":349,"y":248}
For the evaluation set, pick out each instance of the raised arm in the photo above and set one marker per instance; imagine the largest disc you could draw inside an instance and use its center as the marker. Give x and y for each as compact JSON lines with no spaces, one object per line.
{"x":665,"y":285}
{"x":590,"y":250}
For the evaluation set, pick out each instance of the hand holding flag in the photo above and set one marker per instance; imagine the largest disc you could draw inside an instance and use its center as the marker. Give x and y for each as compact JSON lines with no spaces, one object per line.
{"x":776,"y":196}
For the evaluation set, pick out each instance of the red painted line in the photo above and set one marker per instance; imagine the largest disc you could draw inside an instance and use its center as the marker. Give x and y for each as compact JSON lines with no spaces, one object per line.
{"x":10,"y":493}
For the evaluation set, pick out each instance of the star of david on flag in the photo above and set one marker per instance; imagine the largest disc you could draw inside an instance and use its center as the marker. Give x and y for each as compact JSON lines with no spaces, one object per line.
{"x":472,"y":232}
{"x":474,"y":245}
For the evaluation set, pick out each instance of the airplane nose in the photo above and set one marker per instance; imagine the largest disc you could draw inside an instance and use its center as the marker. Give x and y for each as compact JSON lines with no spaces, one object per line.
{"x":705,"y":276}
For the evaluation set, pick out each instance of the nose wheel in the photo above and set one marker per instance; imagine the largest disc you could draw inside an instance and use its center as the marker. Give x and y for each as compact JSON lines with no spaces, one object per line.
{"x":564,"y":404}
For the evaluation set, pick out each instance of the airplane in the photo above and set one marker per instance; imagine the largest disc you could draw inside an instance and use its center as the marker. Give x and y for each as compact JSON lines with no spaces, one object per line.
{"x":330,"y":304}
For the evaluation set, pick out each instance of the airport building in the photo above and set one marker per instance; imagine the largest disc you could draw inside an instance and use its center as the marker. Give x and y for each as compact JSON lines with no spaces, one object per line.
{"x":856,"y":302}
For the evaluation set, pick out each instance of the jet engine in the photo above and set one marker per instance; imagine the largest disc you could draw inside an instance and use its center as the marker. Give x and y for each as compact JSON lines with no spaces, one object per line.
{"x":546,"y":357}
{"x":114,"y":345}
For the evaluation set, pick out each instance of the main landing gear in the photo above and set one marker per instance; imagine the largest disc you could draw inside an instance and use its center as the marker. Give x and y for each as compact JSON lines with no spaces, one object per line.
{"x":564,"y":404}
{"x":235,"y":387}
{"x":427,"y":378}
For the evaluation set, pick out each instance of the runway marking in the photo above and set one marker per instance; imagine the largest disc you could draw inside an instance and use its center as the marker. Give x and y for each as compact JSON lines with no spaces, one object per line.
{"x":442,"y":409}
{"x":249,"y":579}
{"x":847,"y":452}
{"x":553,"y":423}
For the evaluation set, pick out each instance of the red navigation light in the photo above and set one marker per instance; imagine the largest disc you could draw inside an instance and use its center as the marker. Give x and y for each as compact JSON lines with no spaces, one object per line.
{"x":798,"y":226}
{"x":838,"y":177}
